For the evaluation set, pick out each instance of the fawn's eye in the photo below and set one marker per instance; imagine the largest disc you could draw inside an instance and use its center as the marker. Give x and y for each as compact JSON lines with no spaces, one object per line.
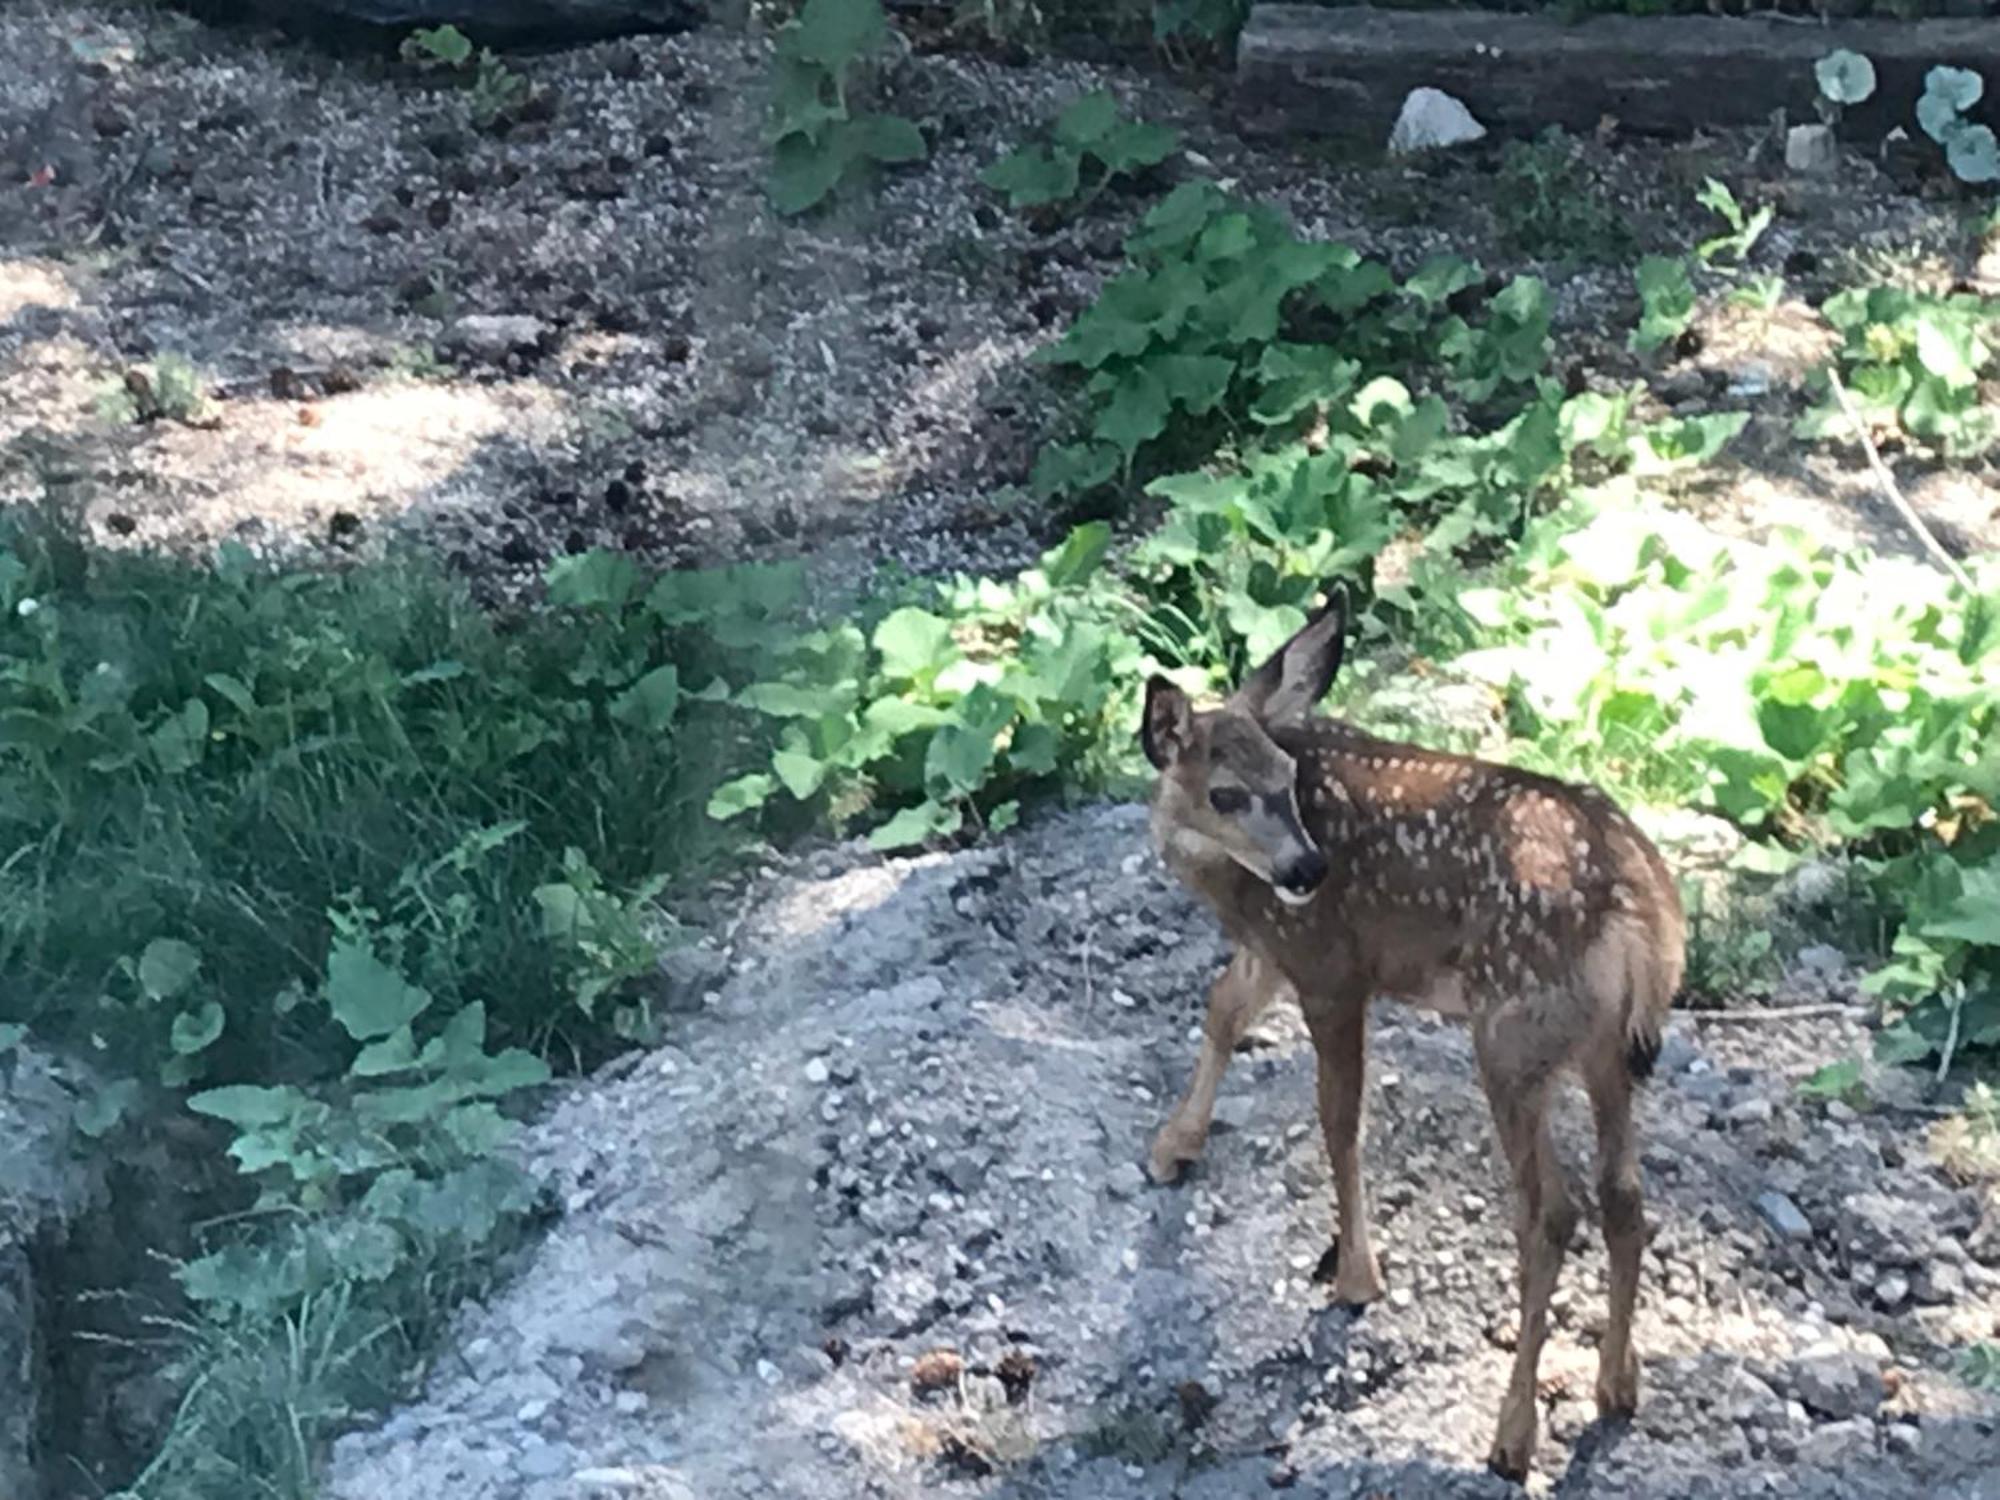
{"x":1228,"y":799}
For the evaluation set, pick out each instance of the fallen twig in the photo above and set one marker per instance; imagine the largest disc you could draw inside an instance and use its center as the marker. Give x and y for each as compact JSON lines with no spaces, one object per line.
{"x":1889,"y":486}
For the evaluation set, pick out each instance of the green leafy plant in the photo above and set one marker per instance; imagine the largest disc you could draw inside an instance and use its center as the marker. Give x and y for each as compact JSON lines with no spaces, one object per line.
{"x":1745,"y":227}
{"x":1971,"y":151}
{"x":375,"y":1194}
{"x":496,"y":90}
{"x":170,"y":391}
{"x":1087,"y":148}
{"x":1914,"y":363}
{"x":1980,"y":1365}
{"x":1551,"y":205}
{"x":1666,"y":301}
{"x":613,"y":940}
{"x":1840,"y":1081}
{"x":819,"y":139}
{"x":1844,"y":78}
{"x":437,"y":47}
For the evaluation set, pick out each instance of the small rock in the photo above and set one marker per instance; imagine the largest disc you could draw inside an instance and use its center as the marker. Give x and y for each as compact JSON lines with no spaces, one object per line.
{"x":817,"y":1071}
{"x":1839,"y":1384}
{"x":1893,"y":1290}
{"x":491,"y":337}
{"x":1938,"y":1282}
{"x":691,"y":972}
{"x":1786,"y":1219}
{"x":543,"y":1461}
{"x":1756,"y":1110}
{"x":1431,"y":119}
{"x":1811,"y":148}
{"x":630,"y":1403}
{"x":1751,"y":1400}
{"x":1888,"y":1231}
{"x":1837,"y":1444}
{"x":1823,"y":960}
{"x":1126,"y":1180}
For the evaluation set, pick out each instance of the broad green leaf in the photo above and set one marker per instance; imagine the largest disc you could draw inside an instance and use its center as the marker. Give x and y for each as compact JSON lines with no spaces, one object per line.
{"x":1948,"y":94}
{"x":835,"y":33}
{"x":913,"y":642}
{"x":1845,"y":77}
{"x":1078,"y":556}
{"x":247,"y":1105}
{"x":1136,"y":413}
{"x":1134,"y":145}
{"x":180,"y":740}
{"x":1088,"y":120}
{"x":167,"y":967}
{"x":194,"y":1030}
{"x":367,"y":997}
{"x":804,"y":170}
{"x":101,"y":1109}
{"x":916,"y":825}
{"x":394,"y":1053}
{"x":593,"y":580}
{"x":802,"y":774}
{"x":744,"y":794}
{"x":886,"y":138}
{"x":1973,"y":154}
{"x":650,"y":703}
{"x":1033,"y":176}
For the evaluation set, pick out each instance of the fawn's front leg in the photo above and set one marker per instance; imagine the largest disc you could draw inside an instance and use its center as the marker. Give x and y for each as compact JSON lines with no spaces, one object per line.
{"x":1235,"y":1000}
{"x":1339,"y":1027}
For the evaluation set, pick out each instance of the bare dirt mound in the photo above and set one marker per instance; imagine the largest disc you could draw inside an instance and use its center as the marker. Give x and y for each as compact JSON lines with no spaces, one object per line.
{"x":875,"y":1226}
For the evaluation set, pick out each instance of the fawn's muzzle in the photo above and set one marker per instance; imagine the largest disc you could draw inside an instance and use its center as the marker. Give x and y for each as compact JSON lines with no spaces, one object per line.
{"x":1302,"y":876}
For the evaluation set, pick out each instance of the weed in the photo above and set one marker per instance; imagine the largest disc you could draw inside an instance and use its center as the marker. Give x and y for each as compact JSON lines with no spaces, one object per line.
{"x":495,"y":91}
{"x":1971,"y":152}
{"x":170,"y":391}
{"x":1088,"y":134}
{"x":818,"y":139}
{"x":1914,"y":363}
{"x":1666,"y":301}
{"x":1837,"y":1082}
{"x":1551,"y":205}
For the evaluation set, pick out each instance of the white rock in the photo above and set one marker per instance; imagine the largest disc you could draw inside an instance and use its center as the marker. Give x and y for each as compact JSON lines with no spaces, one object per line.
{"x":817,"y":1071}
{"x":1811,"y":148}
{"x":1431,"y":118}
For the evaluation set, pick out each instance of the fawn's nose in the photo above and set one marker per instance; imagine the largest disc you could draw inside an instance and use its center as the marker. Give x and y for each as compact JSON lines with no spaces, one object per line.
{"x":1302,"y":876}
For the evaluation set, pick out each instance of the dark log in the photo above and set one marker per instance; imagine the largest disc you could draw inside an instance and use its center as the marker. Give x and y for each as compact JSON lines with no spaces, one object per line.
{"x":1344,"y":72}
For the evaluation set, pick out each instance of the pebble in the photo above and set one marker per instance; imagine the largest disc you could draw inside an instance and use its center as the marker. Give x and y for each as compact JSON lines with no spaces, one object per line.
{"x":817,"y":1071}
{"x":1786,"y":1219}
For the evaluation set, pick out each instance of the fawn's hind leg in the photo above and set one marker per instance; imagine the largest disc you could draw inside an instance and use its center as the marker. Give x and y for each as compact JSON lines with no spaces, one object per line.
{"x":1235,"y":1000}
{"x":1609,"y":1082}
{"x":1517,"y":1063}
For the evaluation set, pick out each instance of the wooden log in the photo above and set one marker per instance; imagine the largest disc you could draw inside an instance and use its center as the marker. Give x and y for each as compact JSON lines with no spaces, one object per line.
{"x":1344,"y":72}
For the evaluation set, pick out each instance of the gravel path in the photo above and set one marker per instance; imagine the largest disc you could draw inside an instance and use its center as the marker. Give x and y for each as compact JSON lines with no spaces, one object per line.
{"x":875,"y":1226}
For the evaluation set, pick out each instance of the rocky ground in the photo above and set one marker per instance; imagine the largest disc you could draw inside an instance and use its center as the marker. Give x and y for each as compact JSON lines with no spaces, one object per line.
{"x":578,"y":323}
{"x":875,"y":1225}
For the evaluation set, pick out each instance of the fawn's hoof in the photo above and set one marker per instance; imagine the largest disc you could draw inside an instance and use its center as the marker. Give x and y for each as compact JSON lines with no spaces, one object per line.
{"x":1618,"y":1388}
{"x":1354,"y":1285}
{"x":1508,"y":1469}
{"x":1172,"y":1150}
{"x":1514,"y":1444}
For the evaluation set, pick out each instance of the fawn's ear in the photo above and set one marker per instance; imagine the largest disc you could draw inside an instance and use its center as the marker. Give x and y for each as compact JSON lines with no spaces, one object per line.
{"x":1168,"y":726}
{"x":1285,"y":688}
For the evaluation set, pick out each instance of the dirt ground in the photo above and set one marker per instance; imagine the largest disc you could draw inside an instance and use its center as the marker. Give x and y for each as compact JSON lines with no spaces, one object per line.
{"x":911,"y":1115}
{"x":587,"y":328}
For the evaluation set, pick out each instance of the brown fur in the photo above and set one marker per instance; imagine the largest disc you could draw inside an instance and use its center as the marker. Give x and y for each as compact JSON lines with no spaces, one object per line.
{"x":1531,"y":908}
